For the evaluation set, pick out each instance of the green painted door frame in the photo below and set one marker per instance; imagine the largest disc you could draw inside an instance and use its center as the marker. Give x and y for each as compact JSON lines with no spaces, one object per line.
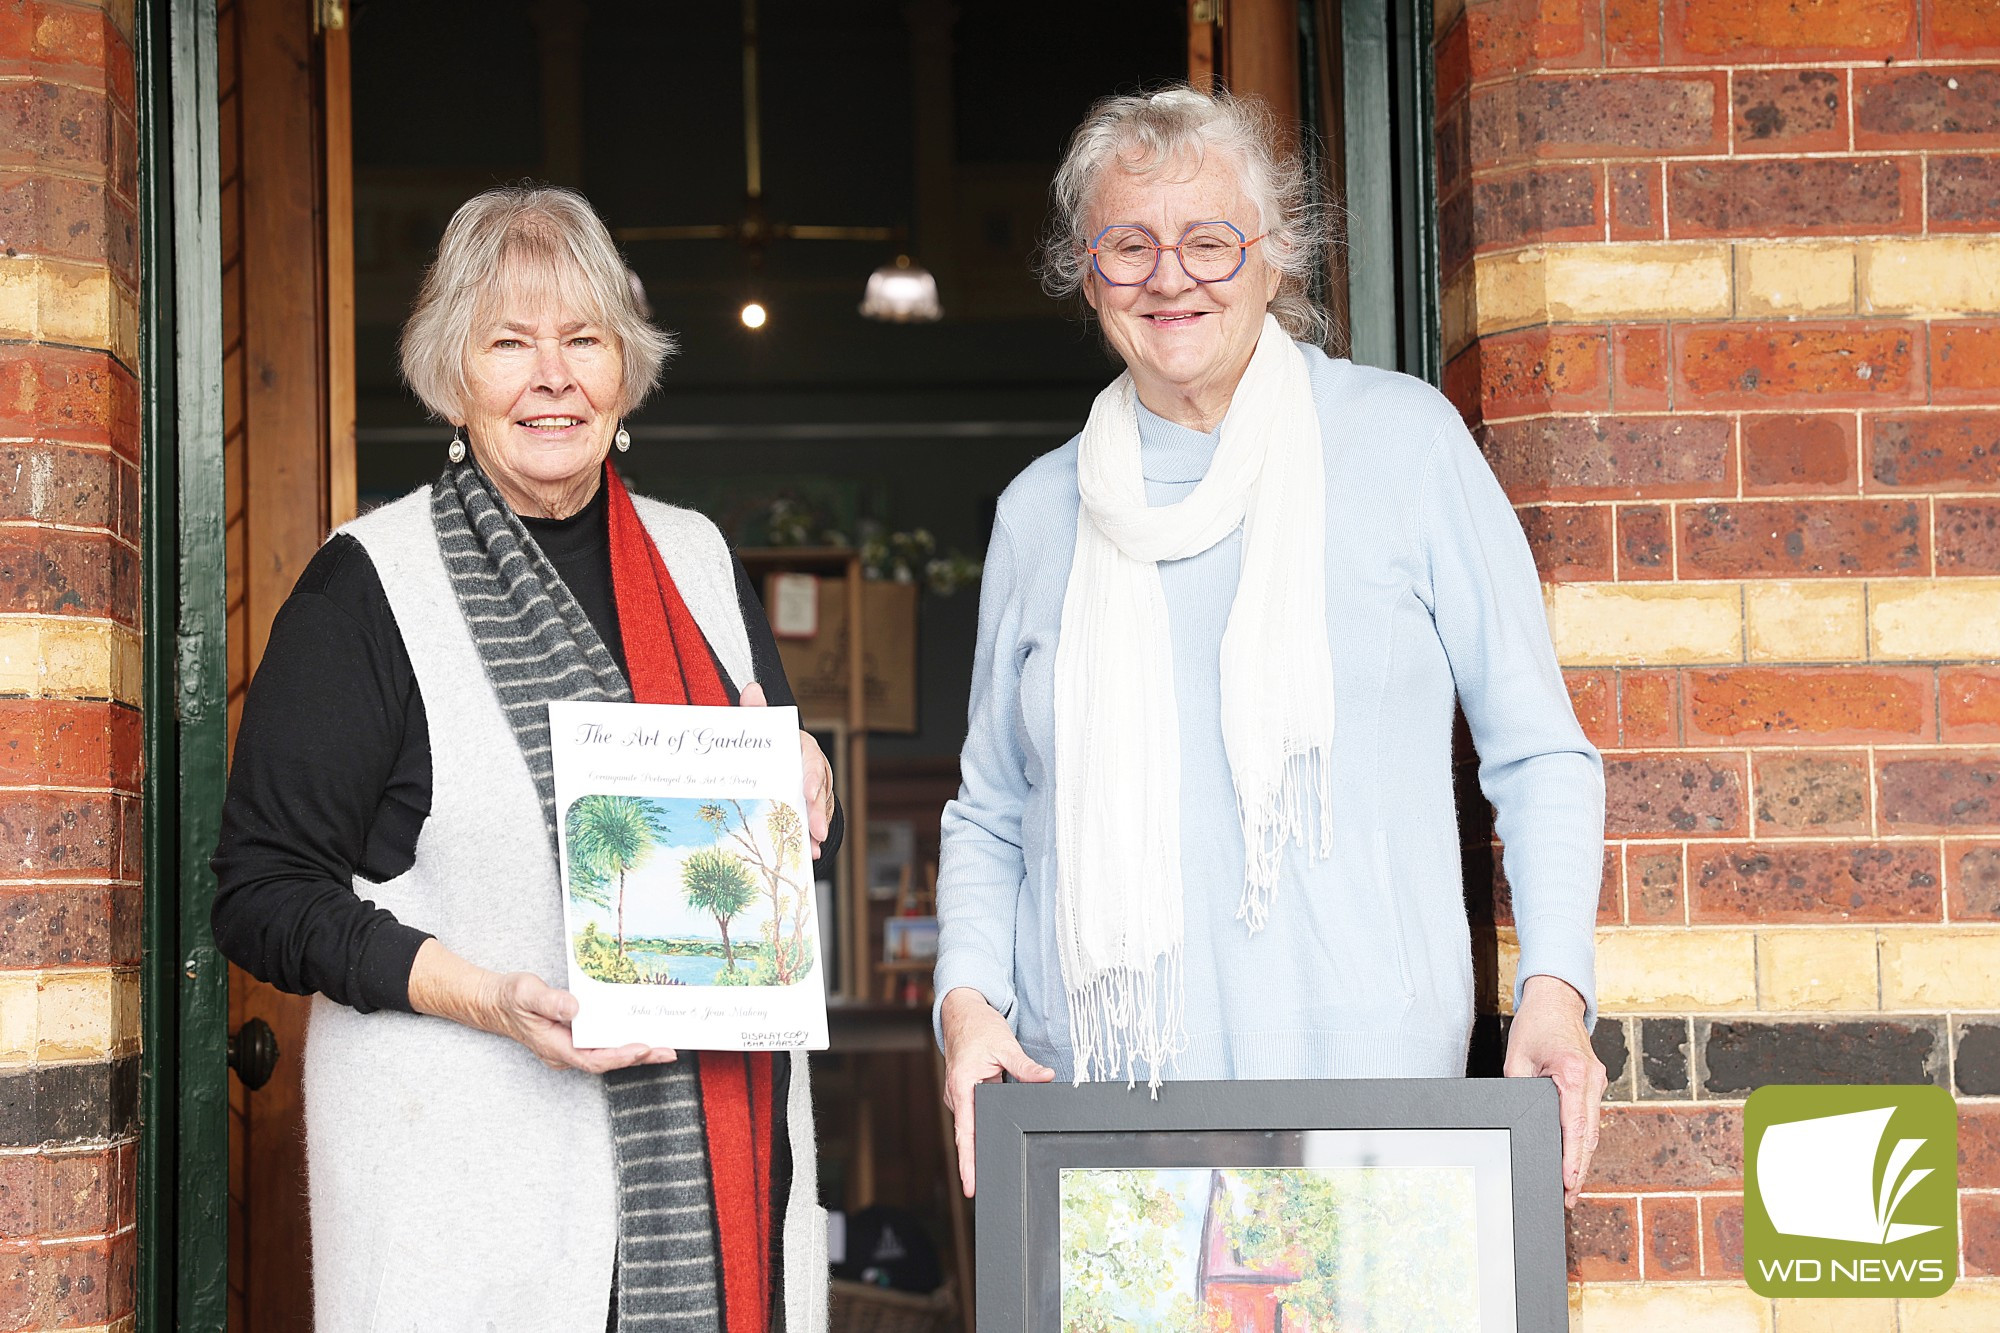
{"x":184,"y":1109}
{"x":1386,"y":89}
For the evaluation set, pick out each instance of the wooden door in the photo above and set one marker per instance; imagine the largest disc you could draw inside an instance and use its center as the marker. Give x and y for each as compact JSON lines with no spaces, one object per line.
{"x":289,"y":460}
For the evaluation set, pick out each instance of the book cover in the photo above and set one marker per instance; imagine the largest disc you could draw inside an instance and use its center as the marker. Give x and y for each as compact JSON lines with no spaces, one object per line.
{"x":687,"y":877}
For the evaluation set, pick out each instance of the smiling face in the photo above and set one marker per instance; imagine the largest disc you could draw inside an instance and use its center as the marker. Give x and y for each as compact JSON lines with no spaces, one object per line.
{"x":544,"y":392}
{"x":1186,"y":343}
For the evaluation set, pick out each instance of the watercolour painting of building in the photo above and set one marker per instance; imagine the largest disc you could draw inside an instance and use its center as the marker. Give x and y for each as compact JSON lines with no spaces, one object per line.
{"x":1269,"y":1250}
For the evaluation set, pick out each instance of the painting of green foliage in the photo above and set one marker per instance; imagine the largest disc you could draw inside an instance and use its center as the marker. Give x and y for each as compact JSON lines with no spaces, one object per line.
{"x":669,"y":892}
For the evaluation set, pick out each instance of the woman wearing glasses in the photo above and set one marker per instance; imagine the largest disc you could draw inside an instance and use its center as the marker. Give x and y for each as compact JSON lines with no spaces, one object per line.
{"x":1206,"y":829}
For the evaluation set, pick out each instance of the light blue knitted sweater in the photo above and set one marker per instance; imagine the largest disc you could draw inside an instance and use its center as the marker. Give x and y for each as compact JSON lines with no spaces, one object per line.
{"x":1365,"y":969}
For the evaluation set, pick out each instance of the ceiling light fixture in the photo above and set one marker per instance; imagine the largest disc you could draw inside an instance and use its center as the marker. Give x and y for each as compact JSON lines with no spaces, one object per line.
{"x":904,"y":292}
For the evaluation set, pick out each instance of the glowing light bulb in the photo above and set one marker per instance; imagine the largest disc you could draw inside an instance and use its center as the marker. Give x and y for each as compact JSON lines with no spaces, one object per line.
{"x":754,"y":315}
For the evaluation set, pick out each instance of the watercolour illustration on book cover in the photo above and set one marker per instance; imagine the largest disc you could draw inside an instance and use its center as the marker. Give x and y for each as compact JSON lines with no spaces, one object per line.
{"x":689,"y":892}
{"x":687,"y":870}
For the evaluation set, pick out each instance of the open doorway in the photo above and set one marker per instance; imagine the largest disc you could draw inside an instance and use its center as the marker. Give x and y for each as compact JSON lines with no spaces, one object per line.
{"x":880,"y":129}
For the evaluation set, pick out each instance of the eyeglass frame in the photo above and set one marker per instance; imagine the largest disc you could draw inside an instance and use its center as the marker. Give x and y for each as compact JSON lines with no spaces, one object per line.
{"x":1243,"y":244}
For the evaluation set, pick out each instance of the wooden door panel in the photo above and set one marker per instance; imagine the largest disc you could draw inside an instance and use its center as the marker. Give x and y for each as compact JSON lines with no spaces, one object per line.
{"x":288,"y":462}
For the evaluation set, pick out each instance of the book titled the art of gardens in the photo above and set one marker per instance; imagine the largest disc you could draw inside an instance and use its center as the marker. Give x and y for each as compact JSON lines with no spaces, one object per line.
{"x":687,"y":877}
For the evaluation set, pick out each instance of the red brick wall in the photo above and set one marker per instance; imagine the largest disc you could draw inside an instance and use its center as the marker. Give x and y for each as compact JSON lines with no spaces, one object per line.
{"x":69,"y":665}
{"x":1723,"y":302}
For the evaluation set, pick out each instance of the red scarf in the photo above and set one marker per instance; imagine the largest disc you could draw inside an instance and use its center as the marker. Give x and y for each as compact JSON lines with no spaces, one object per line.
{"x":668,"y":662}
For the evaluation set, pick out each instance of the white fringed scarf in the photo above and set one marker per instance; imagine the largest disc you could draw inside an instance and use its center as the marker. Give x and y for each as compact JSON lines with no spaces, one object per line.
{"x":1119,"y":917}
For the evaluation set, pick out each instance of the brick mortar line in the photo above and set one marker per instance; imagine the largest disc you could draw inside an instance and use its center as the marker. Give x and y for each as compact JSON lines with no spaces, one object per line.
{"x":78,"y":529}
{"x":84,"y":1238}
{"x":70,"y":970}
{"x":1801,"y":240}
{"x":56,"y":171}
{"x":90,"y":1147}
{"x":1830,"y":580}
{"x":72,"y":75}
{"x":1476,"y":172}
{"x":1627,"y":501}
{"x":107,"y":1058}
{"x":1649,"y":72}
{"x":1594,"y":414}
{"x":7,"y":617}
{"x":52,"y":442}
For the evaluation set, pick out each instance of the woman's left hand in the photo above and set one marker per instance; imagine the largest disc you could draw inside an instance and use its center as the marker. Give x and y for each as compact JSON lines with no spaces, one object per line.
{"x":819,"y":775}
{"x":1548,"y":1038}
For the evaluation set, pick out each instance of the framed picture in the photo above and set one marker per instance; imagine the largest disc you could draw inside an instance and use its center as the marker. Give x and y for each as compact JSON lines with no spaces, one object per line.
{"x":908,"y":939}
{"x":1418,"y":1205}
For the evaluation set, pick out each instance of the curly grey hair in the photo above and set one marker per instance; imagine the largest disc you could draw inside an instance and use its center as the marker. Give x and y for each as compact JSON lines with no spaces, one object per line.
{"x":1146,"y":133}
{"x":546,"y":244}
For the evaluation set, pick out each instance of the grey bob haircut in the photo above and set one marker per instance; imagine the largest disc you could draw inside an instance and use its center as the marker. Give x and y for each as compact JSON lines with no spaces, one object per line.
{"x":543,"y":244}
{"x":1173,"y":128}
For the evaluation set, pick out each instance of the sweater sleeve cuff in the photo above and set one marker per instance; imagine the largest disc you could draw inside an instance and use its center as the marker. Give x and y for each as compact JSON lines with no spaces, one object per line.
{"x":382,"y":971}
{"x":1561,"y":950}
{"x":961,"y":970}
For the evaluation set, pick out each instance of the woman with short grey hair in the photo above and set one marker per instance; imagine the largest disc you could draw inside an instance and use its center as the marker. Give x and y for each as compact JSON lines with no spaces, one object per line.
{"x":1206,"y":828}
{"x":388,"y":844}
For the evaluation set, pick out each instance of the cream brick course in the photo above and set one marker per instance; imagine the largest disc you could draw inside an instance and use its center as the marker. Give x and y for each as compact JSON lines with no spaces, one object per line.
{"x":1804,"y":279}
{"x":20,"y":657}
{"x":125,"y":1014}
{"x":1674,"y":971}
{"x":1831,"y":1316}
{"x":87,"y":659}
{"x":1458,"y":311}
{"x":1806,"y":622}
{"x":1680,"y":1306}
{"x":18,"y":1008}
{"x":50,"y":300}
{"x":20,"y":279}
{"x":1720,"y":623}
{"x":1933,"y":619}
{"x":1971,"y":1306}
{"x":1593,"y":282}
{"x":1596,"y":624}
{"x":1937,"y":275}
{"x":1932,"y":968}
{"x":1510,"y":291}
{"x":1825,"y":969}
{"x":78,"y":1015}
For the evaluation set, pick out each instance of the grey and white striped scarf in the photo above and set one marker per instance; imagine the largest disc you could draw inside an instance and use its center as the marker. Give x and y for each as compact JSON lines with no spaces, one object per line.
{"x":537,"y":645}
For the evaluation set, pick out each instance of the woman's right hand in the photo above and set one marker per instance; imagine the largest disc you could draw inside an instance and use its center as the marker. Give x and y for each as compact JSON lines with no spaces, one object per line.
{"x":517,"y":1005}
{"x":979,"y":1047}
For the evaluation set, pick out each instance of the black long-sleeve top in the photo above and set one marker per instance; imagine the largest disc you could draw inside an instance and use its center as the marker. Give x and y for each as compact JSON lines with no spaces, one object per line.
{"x":332,"y":773}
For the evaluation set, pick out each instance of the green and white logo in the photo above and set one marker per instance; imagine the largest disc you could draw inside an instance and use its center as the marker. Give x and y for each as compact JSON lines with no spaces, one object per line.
{"x":1850,"y":1191}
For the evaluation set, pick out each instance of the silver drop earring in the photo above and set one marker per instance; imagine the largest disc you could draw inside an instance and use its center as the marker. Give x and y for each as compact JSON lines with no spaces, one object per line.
{"x":455,"y":451}
{"x":623,"y":439}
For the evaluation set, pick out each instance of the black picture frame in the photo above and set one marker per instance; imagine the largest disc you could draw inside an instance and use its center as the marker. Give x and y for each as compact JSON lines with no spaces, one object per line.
{"x":1028,"y":1133}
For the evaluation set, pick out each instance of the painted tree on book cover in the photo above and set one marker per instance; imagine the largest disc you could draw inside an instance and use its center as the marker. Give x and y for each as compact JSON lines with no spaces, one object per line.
{"x":717,"y":882}
{"x":778,"y":867}
{"x":609,"y":836}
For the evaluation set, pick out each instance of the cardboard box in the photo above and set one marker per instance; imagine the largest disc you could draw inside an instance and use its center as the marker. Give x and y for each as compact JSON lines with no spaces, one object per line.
{"x":817,"y":667}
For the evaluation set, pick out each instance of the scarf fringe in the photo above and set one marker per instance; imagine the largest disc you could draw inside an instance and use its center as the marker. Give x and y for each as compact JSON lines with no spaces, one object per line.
{"x":1282,"y":818}
{"x":1120,"y":1017}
